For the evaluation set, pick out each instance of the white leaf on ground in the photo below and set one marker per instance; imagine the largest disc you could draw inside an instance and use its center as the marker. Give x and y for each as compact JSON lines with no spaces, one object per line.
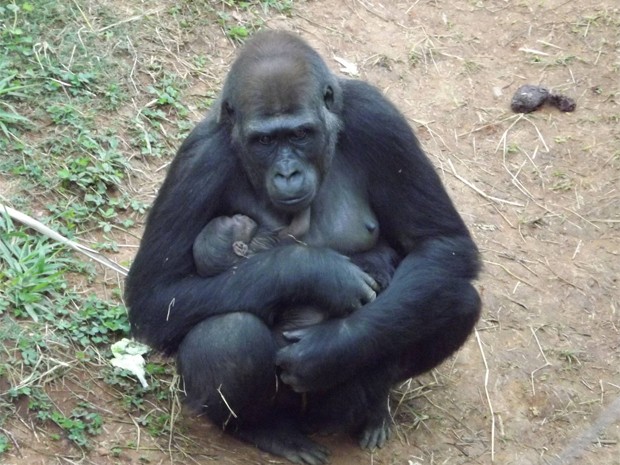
{"x":348,"y":67}
{"x":128,"y":356}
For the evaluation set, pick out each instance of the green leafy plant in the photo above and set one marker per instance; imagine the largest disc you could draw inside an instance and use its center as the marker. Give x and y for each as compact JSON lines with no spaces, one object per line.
{"x":78,"y":426}
{"x":33,"y":275}
{"x":9,"y":116}
{"x":95,"y":323}
{"x":5,"y":444}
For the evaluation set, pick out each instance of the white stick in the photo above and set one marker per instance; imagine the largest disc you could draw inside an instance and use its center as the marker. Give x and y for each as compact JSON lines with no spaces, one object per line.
{"x":40,"y":227}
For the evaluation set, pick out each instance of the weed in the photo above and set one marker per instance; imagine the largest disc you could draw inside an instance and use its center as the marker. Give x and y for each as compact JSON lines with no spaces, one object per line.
{"x":235,"y":31}
{"x":570,"y":357}
{"x":5,"y":444}
{"x":35,"y":291}
{"x":562,"y":182}
{"x":247,"y":19}
{"x":53,"y":77}
{"x":586,"y":23}
{"x":282,"y":6}
{"x":422,"y":53}
{"x":95,"y":323}
{"x":565,"y":60}
{"x":78,"y":99}
{"x":34,"y":273}
{"x":157,"y":423}
{"x":167,"y":92}
{"x":513,"y":148}
{"x":8,"y":114}
{"x":471,"y":66}
{"x":78,"y":426}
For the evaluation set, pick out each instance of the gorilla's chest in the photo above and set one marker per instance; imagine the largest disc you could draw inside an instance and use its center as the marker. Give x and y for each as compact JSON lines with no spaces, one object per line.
{"x":341,"y":218}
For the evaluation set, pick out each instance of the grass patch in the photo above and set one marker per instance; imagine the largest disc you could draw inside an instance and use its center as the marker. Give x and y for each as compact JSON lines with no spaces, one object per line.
{"x":77,"y":124}
{"x":47,"y":326}
{"x":57,"y":86}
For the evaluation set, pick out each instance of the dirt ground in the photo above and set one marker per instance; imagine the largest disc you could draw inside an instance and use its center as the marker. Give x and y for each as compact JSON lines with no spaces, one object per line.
{"x":538,"y":380}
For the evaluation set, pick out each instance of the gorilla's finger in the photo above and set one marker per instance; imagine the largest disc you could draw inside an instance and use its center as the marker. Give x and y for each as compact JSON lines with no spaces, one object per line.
{"x":292,"y":336}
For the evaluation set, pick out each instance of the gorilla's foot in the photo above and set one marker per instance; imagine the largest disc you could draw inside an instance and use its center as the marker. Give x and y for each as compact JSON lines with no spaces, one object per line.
{"x":375,"y":434}
{"x":285,"y":440}
{"x":376,"y":431}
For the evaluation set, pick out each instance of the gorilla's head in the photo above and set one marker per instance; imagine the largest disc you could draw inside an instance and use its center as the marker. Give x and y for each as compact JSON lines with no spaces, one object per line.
{"x":282,"y":105}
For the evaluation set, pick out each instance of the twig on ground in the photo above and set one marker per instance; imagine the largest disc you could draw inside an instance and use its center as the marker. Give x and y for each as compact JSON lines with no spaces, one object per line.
{"x":524,"y":281}
{"x":130,"y":19}
{"x":486,"y":392}
{"x":547,"y":363}
{"x":479,"y":191}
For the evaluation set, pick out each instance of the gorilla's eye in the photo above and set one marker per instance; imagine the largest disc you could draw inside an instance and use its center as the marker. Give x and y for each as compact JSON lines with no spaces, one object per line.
{"x":299,"y":134}
{"x":265,"y":139}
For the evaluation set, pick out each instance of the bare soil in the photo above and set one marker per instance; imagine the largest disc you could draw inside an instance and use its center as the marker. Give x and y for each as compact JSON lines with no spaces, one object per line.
{"x":538,"y":380}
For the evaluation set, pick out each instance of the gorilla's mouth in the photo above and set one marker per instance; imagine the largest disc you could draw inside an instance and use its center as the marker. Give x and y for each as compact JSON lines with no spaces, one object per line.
{"x":295,"y":203}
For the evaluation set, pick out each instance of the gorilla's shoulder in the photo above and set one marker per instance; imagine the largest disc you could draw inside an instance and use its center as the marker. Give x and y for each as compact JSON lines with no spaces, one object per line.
{"x":373,"y":125}
{"x":365,"y":105}
{"x":208,"y":142}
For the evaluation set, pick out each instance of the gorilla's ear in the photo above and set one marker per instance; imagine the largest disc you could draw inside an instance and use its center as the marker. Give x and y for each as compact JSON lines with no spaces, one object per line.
{"x":328,"y":97}
{"x":332,"y":97}
{"x":227,"y":113}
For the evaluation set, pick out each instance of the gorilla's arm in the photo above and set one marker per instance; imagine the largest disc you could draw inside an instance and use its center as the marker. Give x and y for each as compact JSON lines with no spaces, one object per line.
{"x":424,"y":315}
{"x":430,"y":307}
{"x":166,"y":297}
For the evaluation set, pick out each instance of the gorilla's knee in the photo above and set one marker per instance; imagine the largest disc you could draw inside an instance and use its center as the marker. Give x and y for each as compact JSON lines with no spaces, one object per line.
{"x":228,"y":369}
{"x":459,"y":306}
{"x":471,"y":305}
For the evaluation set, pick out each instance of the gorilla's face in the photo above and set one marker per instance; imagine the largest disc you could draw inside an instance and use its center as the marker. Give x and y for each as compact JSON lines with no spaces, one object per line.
{"x":288,"y":155}
{"x":284,"y":128}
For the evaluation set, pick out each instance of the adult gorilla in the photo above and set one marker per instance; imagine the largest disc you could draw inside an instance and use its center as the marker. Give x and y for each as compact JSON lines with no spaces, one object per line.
{"x":289,"y":143}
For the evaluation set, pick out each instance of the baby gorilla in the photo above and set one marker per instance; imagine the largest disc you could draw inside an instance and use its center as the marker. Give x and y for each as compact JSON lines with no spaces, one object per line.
{"x":225,"y":241}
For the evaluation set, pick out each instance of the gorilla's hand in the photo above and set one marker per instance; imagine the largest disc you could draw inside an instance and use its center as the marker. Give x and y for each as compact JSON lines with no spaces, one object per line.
{"x":318,"y":356}
{"x":340,"y":286}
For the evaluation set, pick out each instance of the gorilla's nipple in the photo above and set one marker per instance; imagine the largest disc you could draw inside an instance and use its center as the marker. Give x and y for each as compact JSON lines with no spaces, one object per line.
{"x":372,"y":226}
